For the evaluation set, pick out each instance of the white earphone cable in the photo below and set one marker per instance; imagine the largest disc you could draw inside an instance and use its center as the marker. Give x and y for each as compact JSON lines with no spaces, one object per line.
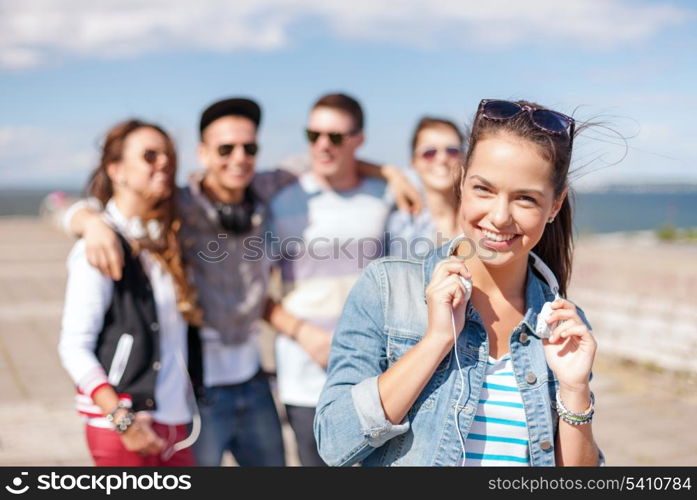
{"x":462,"y":387}
{"x":195,"y":419}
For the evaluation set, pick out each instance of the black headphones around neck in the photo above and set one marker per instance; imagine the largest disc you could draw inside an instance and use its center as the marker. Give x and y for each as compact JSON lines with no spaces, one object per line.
{"x":237,"y":217}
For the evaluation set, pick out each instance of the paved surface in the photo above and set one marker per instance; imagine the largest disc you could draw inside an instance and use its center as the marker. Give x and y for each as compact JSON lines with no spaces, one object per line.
{"x":644,"y":416}
{"x":641,"y":297}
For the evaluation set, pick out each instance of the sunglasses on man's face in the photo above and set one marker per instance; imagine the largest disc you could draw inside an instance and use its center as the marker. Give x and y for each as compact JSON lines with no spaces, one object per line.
{"x":250,"y":149}
{"x":544,"y":119}
{"x":336,"y":138}
{"x":431,"y":152}
{"x":150,"y":156}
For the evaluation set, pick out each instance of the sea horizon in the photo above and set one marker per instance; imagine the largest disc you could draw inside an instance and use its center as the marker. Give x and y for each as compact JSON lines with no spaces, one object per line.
{"x":607,"y":209}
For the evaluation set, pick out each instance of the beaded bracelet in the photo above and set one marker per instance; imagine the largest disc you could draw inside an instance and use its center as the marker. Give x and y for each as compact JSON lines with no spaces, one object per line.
{"x":121,"y":406}
{"x":573,"y":418}
{"x":124,"y":422}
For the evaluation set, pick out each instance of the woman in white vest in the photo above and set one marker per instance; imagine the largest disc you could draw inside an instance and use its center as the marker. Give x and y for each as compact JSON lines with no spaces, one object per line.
{"x":125,"y":343}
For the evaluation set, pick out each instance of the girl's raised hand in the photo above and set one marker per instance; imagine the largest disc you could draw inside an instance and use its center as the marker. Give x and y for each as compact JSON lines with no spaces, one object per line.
{"x":445,"y":296}
{"x":570,"y":350}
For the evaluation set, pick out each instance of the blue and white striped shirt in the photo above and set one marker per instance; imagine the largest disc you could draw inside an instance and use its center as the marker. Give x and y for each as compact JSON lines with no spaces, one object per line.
{"x":499,"y":433}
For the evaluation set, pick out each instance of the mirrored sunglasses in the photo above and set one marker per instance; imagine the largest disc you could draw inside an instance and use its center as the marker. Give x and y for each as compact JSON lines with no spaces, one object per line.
{"x":544,"y":119}
{"x":431,"y":152}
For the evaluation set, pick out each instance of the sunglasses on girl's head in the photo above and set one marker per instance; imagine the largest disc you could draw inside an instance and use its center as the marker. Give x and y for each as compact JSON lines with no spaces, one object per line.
{"x":336,"y":138}
{"x":430,"y":153}
{"x":544,"y":119}
{"x":250,"y":149}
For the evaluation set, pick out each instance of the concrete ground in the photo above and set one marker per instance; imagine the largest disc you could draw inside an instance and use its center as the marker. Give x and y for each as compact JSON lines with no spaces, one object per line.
{"x":644,"y":415}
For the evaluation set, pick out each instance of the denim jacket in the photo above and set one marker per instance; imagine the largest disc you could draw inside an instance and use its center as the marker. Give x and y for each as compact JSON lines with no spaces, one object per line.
{"x":384,"y":316}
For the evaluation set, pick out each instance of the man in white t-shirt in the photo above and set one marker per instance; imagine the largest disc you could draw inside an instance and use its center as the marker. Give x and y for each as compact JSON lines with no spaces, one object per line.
{"x":327,"y":226}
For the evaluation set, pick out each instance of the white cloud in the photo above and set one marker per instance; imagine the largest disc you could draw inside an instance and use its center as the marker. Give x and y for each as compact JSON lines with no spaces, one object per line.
{"x":652,"y":151}
{"x":33,"y":32}
{"x":502,"y":23}
{"x":37,"y":156}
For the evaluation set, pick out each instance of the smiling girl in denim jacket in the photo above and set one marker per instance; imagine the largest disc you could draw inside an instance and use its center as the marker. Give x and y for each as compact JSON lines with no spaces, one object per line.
{"x":422,"y":373}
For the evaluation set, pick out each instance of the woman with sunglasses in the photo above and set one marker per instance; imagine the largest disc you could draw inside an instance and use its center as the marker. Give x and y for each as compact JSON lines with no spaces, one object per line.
{"x":442,"y":361}
{"x":436,"y":149}
{"x":125,"y":343}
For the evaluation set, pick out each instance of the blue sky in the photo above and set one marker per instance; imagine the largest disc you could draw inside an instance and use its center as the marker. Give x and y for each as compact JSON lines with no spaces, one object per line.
{"x":71,"y":68}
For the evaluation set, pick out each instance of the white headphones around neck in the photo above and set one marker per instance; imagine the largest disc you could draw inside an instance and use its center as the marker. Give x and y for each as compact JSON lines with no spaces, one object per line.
{"x":542,"y":329}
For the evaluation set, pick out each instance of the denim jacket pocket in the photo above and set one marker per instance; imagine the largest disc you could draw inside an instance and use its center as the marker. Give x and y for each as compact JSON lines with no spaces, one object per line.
{"x":398,"y":344}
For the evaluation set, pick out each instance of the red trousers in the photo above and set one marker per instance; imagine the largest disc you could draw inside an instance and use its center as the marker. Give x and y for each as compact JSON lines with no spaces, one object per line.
{"x":108,"y":451}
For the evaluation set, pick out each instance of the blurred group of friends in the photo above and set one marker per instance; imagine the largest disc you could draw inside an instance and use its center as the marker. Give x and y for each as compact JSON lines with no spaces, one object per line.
{"x":168,"y":287}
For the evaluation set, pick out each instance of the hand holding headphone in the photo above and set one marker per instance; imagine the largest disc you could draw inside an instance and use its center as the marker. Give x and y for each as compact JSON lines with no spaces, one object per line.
{"x":543,"y":329}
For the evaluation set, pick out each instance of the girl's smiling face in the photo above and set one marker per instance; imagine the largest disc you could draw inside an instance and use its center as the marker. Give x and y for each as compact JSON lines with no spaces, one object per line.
{"x":507,"y":197}
{"x":438,"y":172}
{"x":146,"y":167}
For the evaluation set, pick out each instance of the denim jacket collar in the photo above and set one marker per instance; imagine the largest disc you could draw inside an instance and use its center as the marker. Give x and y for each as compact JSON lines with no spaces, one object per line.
{"x":537,"y":292}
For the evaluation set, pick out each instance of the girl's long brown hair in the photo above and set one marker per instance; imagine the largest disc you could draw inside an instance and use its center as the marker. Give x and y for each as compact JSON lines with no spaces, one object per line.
{"x":555,"y":248}
{"x":167,"y":251}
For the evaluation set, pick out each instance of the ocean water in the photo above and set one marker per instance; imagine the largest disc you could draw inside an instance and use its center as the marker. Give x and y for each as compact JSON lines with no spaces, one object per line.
{"x":624,"y":211}
{"x":25,"y":202}
{"x":604,"y":212}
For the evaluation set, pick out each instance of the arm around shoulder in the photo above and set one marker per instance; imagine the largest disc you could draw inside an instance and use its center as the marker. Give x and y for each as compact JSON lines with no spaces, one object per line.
{"x":78,"y":214}
{"x":103,"y":249}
